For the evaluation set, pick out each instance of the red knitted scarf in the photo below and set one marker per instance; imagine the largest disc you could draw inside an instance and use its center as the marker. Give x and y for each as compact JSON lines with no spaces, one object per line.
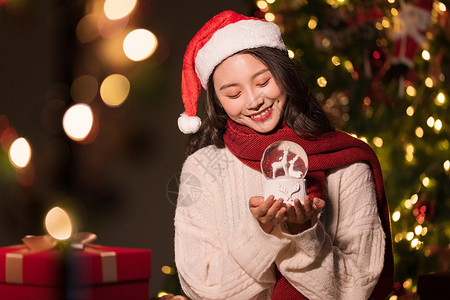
{"x":331,"y":150}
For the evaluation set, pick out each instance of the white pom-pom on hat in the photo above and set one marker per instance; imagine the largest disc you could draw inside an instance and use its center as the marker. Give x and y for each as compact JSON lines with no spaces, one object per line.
{"x":225,"y":34}
{"x":188,"y":124}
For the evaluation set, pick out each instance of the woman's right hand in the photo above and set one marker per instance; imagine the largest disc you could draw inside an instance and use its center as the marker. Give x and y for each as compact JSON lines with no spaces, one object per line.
{"x":268,"y":213}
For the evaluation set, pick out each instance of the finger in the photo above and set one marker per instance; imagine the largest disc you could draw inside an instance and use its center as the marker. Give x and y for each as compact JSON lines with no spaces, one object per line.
{"x":256,"y":201}
{"x":299,"y":209}
{"x":281,"y":215}
{"x":273,"y":210}
{"x":307,"y":205}
{"x":261,"y":212}
{"x":318,"y":204}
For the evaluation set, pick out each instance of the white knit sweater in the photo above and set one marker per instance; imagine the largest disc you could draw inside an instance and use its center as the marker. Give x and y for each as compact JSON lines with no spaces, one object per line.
{"x":222,"y":253}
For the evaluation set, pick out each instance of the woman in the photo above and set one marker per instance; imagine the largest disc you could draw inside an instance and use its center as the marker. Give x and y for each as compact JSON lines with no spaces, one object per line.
{"x":230,"y":242}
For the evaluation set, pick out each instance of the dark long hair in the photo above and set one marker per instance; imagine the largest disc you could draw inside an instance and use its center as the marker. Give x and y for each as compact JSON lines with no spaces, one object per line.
{"x":302,"y":112}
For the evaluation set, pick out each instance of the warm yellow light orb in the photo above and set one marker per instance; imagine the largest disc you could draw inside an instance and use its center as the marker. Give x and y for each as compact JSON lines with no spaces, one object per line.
{"x":78,"y":121}
{"x":438,"y":125}
{"x":419,"y":132}
{"x":440,"y":99}
{"x":377,"y":141}
{"x":430,"y":122}
{"x":426,"y":55}
{"x":410,"y":236}
{"x":414,"y":243}
{"x":20,"y":153}
{"x":312,"y":23}
{"x":410,"y":111}
{"x":139,"y":44}
{"x":322,"y":81}
{"x":291,"y":54}
{"x":118,"y":9}
{"x":58,"y":224}
{"x":270,"y":17}
{"x":447,"y":165}
{"x":418,"y":230}
{"x":409,"y":148}
{"x":114,"y":90}
{"x":411,"y":91}
{"x":335,"y":60}
{"x":396,"y":216}
{"x":408,"y":204}
{"x":262,"y":5}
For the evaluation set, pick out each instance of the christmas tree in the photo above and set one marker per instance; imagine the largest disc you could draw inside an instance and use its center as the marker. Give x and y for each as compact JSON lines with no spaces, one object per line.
{"x":380,"y":70}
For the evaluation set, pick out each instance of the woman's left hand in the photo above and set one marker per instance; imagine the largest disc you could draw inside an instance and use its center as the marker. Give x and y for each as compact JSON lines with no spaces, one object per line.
{"x":300,"y":215}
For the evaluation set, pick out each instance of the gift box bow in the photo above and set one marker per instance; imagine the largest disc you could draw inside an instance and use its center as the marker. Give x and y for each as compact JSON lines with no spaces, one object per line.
{"x":46,"y":242}
{"x":35,"y":244}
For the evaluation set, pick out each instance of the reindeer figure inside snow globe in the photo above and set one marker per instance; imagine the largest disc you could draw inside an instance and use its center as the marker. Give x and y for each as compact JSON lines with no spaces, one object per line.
{"x":284,"y":165}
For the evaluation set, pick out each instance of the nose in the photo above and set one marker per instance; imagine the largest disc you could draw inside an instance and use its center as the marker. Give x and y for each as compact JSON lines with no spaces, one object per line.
{"x":256,"y":99}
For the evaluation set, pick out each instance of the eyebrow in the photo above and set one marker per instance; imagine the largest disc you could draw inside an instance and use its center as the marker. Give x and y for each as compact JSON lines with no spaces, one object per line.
{"x":253,"y":77}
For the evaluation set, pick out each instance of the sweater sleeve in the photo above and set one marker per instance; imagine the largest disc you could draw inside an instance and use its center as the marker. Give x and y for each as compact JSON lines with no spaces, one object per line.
{"x":345,"y":264}
{"x":212,"y":265}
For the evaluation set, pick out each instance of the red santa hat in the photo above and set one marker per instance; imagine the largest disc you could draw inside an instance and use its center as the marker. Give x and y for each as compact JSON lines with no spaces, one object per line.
{"x":225,"y":34}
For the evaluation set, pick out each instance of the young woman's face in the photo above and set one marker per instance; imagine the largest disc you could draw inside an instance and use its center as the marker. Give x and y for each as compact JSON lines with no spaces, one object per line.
{"x":248,"y":92}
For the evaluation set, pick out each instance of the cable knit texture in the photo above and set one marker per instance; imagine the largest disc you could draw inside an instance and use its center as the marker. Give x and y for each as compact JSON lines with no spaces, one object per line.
{"x":222,"y":253}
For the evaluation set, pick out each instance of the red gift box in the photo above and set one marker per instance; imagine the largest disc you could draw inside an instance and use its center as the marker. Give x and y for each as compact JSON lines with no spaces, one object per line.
{"x":94,"y":273}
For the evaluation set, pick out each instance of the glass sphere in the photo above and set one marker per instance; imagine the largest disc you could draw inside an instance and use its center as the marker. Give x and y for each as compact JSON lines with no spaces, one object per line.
{"x":284,"y":159}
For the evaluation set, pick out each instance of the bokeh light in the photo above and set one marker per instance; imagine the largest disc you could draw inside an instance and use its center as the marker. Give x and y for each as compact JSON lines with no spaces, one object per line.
{"x":322,"y":81}
{"x":440,"y":99}
{"x":426,"y":55}
{"x":396,"y":216}
{"x":20,"y":153}
{"x":312,"y":23}
{"x":139,"y":44}
{"x":419,"y":132}
{"x":58,"y":224}
{"x":114,"y":90}
{"x":78,"y":121}
{"x":84,"y":89}
{"x":270,"y":17}
{"x":86,"y":30}
{"x":117,"y":9}
{"x":377,"y":141}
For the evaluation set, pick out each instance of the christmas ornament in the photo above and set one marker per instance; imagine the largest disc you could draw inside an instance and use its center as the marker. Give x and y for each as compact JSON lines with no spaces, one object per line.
{"x":284,"y":165}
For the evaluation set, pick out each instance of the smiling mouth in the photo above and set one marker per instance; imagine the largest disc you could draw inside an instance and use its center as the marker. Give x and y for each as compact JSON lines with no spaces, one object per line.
{"x":262,"y":115}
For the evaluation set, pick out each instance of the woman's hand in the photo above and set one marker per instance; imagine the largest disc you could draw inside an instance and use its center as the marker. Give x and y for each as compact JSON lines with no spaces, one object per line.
{"x":268,"y":213}
{"x":300,"y":216}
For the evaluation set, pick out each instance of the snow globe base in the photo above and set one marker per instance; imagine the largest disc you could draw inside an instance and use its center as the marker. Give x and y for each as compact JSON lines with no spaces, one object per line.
{"x":286,"y":188}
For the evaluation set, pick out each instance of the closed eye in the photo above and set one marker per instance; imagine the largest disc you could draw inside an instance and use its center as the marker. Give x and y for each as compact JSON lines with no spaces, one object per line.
{"x":264,"y":83}
{"x":235,"y":96}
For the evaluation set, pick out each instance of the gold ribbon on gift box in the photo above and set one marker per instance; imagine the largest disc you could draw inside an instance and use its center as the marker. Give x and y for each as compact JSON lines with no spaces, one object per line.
{"x":81,"y":241}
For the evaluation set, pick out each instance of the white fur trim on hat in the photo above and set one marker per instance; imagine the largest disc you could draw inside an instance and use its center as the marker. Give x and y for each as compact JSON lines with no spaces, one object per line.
{"x":188,"y":125}
{"x":245,"y":34}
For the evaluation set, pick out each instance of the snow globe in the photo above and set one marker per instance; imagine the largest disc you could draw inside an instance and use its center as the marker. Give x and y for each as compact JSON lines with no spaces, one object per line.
{"x":284,"y":165}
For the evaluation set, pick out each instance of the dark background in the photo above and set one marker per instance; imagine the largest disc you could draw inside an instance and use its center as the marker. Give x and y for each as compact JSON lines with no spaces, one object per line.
{"x":116,"y":185}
